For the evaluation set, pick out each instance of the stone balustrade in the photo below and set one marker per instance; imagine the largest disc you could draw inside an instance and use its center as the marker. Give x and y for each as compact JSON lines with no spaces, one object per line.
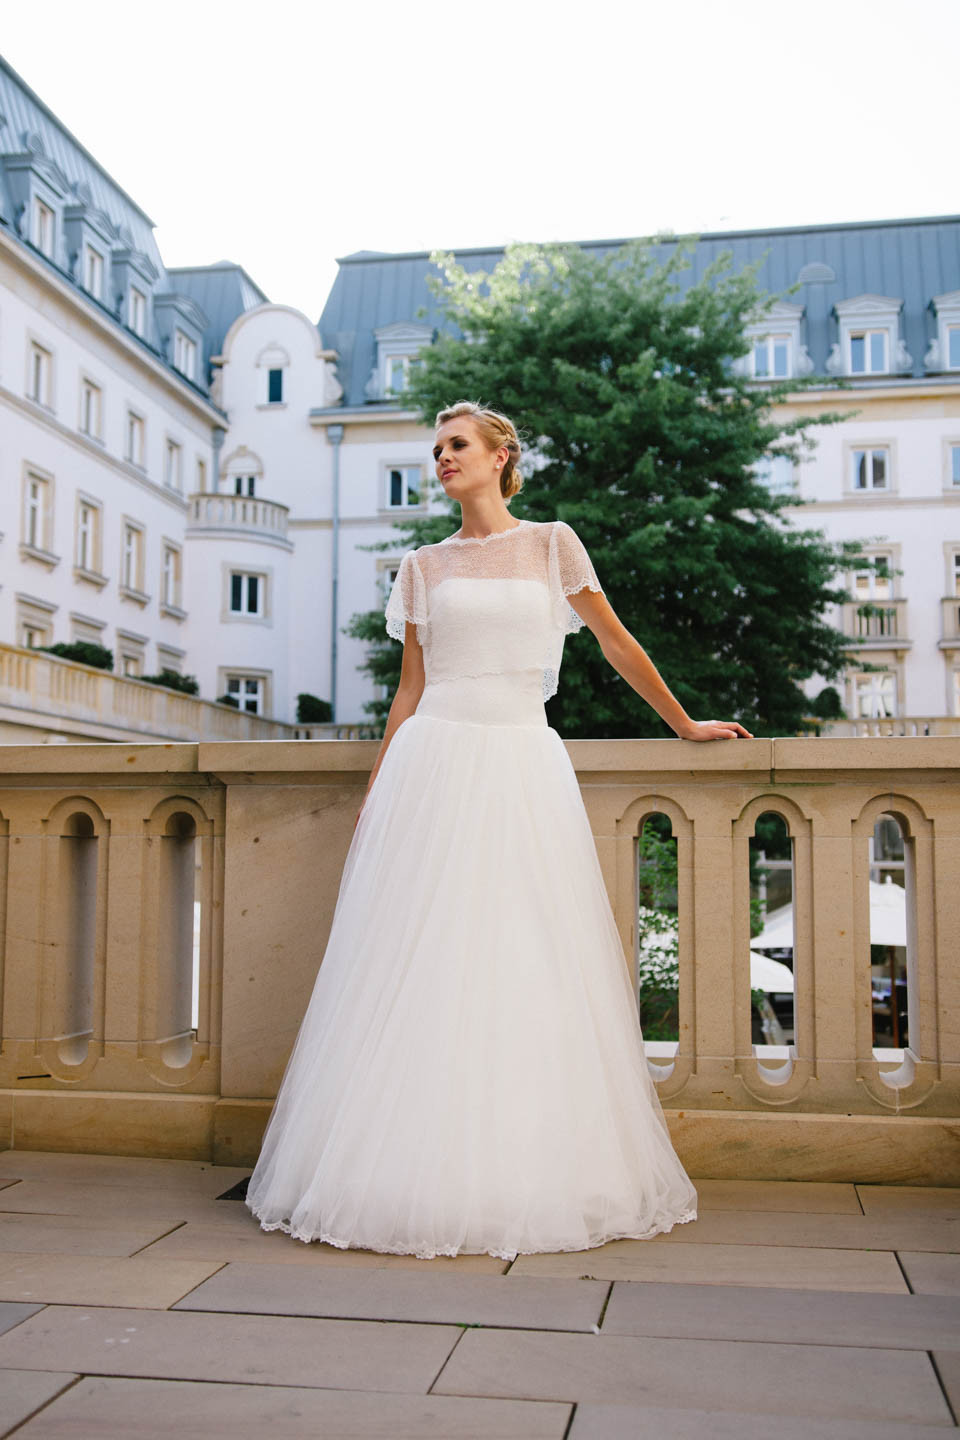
{"x":70,"y":701}
{"x":239,"y":514}
{"x":164,"y":909}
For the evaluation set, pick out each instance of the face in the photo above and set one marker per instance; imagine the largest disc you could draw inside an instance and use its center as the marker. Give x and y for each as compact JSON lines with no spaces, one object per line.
{"x":464,"y":464}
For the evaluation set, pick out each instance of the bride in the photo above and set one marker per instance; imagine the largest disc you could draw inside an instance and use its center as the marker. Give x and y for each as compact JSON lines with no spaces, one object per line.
{"x":469,"y":1076}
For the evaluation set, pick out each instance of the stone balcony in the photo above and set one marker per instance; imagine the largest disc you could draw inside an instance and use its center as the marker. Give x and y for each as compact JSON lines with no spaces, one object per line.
{"x":219,"y":515}
{"x":877,"y":625}
{"x":73,"y":702}
{"x":166,"y":908}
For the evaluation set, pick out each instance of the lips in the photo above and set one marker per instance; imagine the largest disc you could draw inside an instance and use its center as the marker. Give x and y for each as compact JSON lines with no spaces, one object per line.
{"x":445,"y":475}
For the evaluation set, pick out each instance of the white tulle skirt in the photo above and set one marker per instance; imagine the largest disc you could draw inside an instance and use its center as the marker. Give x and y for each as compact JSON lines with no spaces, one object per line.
{"x":469,"y":1075}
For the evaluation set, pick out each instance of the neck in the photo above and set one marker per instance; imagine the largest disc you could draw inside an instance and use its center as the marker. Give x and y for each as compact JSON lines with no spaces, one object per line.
{"x":484,"y":516}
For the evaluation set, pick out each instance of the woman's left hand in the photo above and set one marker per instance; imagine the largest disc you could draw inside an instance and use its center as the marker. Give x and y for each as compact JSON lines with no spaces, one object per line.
{"x":714,"y":730}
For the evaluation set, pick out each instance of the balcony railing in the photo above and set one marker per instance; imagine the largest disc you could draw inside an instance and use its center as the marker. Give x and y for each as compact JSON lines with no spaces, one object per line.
{"x":167,"y":907}
{"x":892,"y":725}
{"x":881,"y":624}
{"x":64,"y":698}
{"x":238,"y":515}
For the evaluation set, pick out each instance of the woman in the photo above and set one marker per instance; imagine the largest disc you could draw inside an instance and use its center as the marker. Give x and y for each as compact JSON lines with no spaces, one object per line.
{"x":469,"y":1076}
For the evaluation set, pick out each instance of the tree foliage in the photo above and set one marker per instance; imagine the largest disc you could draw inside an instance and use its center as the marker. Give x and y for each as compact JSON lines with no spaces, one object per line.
{"x":643,"y":436}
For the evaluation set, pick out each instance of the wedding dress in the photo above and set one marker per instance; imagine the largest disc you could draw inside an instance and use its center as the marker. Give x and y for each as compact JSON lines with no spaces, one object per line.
{"x":469,"y":1075}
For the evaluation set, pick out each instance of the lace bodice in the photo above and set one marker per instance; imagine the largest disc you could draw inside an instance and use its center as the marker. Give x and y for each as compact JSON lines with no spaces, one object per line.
{"x":493,"y":604}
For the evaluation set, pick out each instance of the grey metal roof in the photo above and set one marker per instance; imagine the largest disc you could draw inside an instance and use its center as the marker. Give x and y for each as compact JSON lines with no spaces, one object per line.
{"x":913,"y":259}
{"x":223,"y":291}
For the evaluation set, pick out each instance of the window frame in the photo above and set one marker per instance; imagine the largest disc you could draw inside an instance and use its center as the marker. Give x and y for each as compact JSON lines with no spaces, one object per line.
{"x":93,"y":271}
{"x":868,"y":446}
{"x":137,"y":311}
{"x":40,"y":373}
{"x":173,"y":464}
{"x":94,"y":430}
{"x":132,"y":587}
{"x":36,"y":540}
{"x":228,"y":676}
{"x":136,"y":424}
{"x":386,"y":488}
{"x":43,"y":212}
{"x":184,"y":353}
{"x":245,"y":577}
{"x":91,"y":570}
{"x":171,"y":578}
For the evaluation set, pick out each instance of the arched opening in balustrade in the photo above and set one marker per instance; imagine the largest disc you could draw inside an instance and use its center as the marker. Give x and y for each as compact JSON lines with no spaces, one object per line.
{"x":78,"y":879}
{"x":892,"y":944}
{"x":658,"y":928}
{"x":178,"y":940}
{"x":773,"y":1020}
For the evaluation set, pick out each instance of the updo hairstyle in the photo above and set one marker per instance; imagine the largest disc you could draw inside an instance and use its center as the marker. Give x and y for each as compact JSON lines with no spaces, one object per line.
{"x":496,"y":430}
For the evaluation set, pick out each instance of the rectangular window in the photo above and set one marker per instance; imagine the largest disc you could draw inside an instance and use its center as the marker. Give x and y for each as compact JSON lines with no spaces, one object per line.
{"x":131,"y":561}
{"x":36,"y":510}
{"x":246,"y":593}
{"x":274,"y":386}
{"x":170,"y":577}
{"x":956,"y":574}
{"x":870,"y":469}
{"x":875,"y":584}
{"x":776,"y":473}
{"x":93,"y":273}
{"x":244,"y":484}
{"x":404,"y":482}
{"x":875,"y":695}
{"x":135,"y":439}
{"x":184,"y":355}
{"x":131,"y":666}
{"x":32,"y":636}
{"x":868,"y":352}
{"x":953,"y":347}
{"x":43,"y":227}
{"x":137,"y":311}
{"x":172,"y":474}
{"x":771,"y":357}
{"x":41,"y":363}
{"x":90,"y":412}
{"x":247,"y":690}
{"x":88,"y":520}
{"x":955,"y":464}
{"x":201,"y":476}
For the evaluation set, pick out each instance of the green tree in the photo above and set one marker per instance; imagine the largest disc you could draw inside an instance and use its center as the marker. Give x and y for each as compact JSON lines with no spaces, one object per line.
{"x":643,"y":437}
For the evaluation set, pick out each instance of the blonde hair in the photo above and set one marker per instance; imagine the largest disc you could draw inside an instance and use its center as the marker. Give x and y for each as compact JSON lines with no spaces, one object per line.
{"x":496,"y":430}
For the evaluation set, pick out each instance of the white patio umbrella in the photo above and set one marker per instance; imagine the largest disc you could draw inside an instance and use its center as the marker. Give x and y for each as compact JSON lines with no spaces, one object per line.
{"x":888,"y":920}
{"x":770,"y":975}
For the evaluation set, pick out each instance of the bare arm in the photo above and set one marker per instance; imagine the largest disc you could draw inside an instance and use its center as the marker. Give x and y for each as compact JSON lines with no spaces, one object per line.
{"x":405,"y":701}
{"x":630,"y":660}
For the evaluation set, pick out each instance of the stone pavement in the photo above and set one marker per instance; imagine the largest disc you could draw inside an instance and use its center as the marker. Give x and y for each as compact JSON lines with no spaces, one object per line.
{"x":135,"y":1302}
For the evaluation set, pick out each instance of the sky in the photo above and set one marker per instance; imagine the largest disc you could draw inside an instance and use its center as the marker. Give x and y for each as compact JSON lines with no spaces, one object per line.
{"x":282,"y":136}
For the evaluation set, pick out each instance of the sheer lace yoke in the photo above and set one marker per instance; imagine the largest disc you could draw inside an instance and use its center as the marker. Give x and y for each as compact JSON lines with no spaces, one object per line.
{"x":493,"y":604}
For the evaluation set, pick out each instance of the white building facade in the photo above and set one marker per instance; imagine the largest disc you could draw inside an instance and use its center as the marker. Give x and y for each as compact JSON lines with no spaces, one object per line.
{"x":192,"y":476}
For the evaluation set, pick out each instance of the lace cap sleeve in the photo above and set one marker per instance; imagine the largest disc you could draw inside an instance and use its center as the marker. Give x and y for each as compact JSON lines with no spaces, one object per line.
{"x":408,"y":599}
{"x":571,"y":569}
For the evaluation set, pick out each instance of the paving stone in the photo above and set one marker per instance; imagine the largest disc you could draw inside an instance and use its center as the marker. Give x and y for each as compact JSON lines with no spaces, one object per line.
{"x":527,"y":1302}
{"x":808,"y":1317}
{"x":896,"y":1199}
{"x":99,"y":1280}
{"x":239,"y":1240}
{"x":798,"y":1380}
{"x":932,"y":1274}
{"x":807,"y":1196}
{"x":190,"y":1176}
{"x":850,"y":1232}
{"x":642,"y":1422}
{"x":78,"y":1234}
{"x":79,"y":1197}
{"x":99,"y":1408}
{"x":790,"y":1267}
{"x":948,"y":1369}
{"x":22,"y":1392}
{"x":245,"y":1349}
{"x":12,"y":1312}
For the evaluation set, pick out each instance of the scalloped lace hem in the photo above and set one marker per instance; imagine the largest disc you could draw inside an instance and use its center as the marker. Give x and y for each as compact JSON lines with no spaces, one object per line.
{"x":427,"y":1253}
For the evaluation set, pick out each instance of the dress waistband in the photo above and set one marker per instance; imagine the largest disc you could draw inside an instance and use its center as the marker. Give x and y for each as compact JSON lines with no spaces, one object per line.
{"x":513,"y":698}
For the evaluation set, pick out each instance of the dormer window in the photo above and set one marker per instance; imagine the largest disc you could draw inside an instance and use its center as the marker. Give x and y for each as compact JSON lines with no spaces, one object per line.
{"x":868,"y":352}
{"x":776,"y":350}
{"x":869,"y":337}
{"x":93,"y":273}
{"x":397,"y":359}
{"x":184,"y":354}
{"x":944,"y":352}
{"x":43,"y":227}
{"x":137,"y":311}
